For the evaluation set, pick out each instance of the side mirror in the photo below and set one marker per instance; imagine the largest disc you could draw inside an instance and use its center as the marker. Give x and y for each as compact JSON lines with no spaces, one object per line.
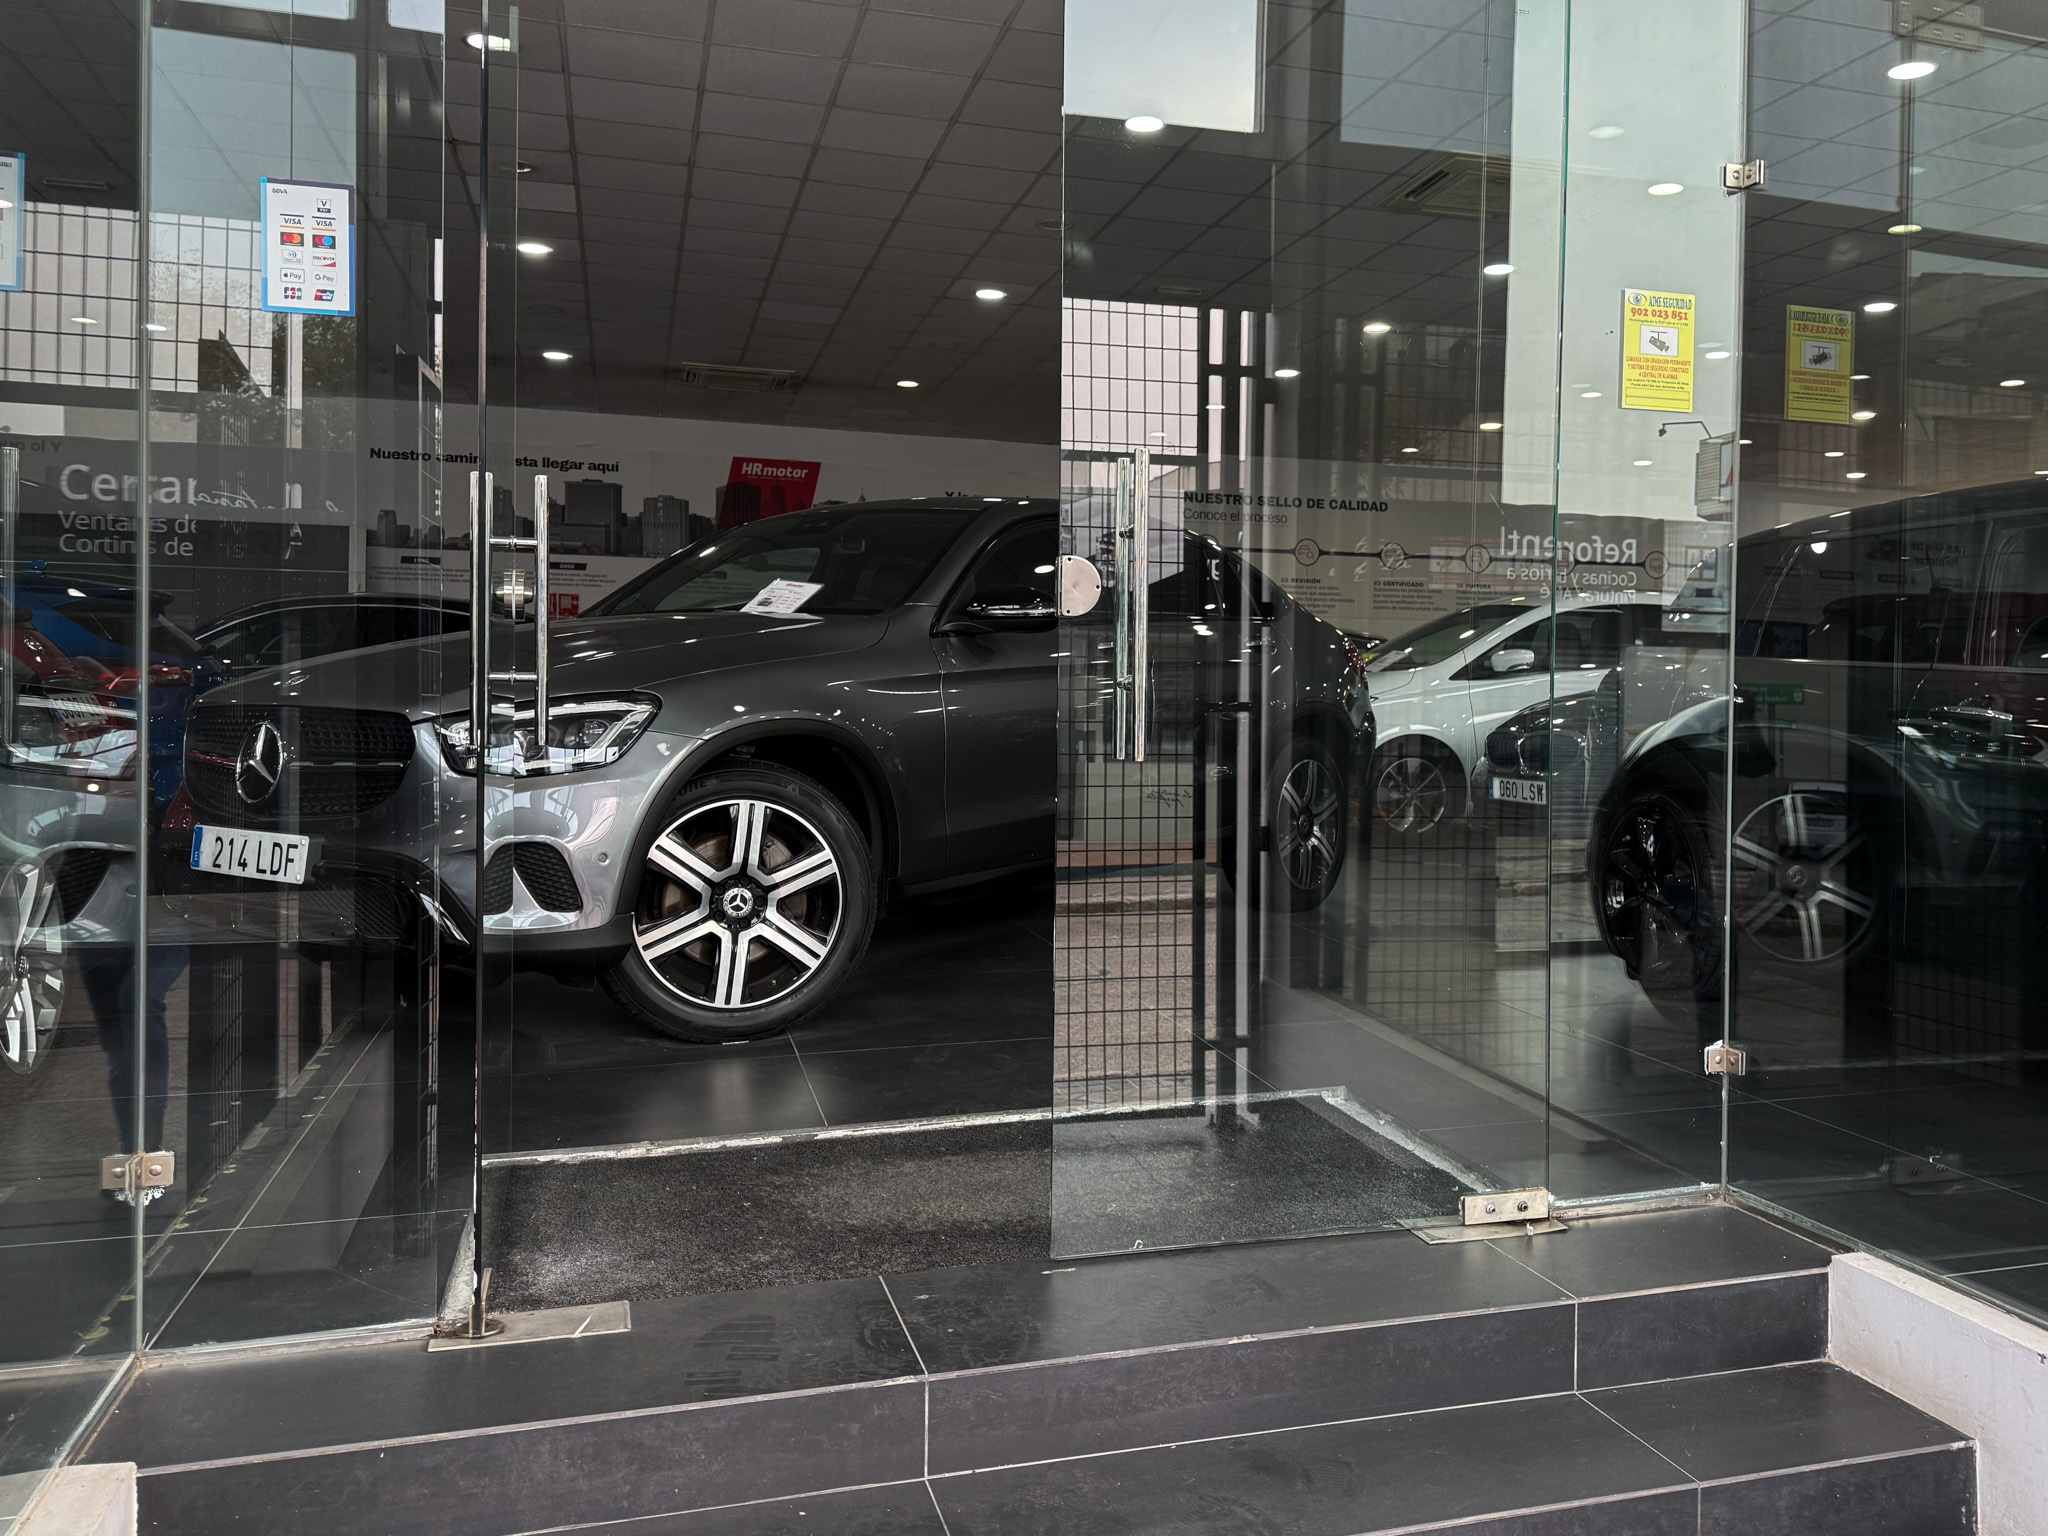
{"x":1004,"y":609}
{"x":1512,"y":660}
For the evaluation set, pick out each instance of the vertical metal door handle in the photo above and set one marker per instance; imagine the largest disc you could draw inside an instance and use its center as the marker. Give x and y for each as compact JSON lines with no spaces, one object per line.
{"x":479,"y":615}
{"x":1141,"y":599}
{"x":10,"y":507}
{"x":540,"y":615}
{"x":1120,"y":519}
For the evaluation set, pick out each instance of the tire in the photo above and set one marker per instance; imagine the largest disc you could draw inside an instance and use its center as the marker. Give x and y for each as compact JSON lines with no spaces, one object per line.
{"x":756,"y":901}
{"x":1807,"y":885}
{"x":1657,"y":906}
{"x":1308,"y":811}
{"x":1416,"y":787}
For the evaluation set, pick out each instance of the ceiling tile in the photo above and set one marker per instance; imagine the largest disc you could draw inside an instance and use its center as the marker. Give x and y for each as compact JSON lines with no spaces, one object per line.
{"x":628,"y":101}
{"x":708,"y":214}
{"x":628,"y":175}
{"x":911,"y":92}
{"x":755,"y":118}
{"x":1010,"y":148}
{"x":740,"y":187}
{"x":651,"y":18}
{"x":854,"y":168}
{"x":794,"y":26}
{"x":924,"y":42}
{"x":622,"y":141}
{"x":776,"y":76}
{"x":599,"y":56}
{"x":735,"y":153}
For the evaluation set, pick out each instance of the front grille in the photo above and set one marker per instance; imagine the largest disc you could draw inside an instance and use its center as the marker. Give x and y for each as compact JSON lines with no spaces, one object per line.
{"x":77,"y":873}
{"x":542,"y":870}
{"x":337,"y":763}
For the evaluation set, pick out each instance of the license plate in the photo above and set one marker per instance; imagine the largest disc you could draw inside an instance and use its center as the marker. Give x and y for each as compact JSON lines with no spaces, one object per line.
{"x":278,"y":856}
{"x":1522,"y":791}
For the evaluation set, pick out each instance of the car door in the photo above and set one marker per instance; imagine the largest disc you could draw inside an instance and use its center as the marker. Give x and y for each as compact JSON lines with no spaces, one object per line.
{"x":1561,"y":655}
{"x":999,"y":710}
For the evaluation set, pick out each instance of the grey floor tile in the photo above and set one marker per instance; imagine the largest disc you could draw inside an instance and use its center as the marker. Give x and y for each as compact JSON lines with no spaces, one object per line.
{"x":1616,"y":1255}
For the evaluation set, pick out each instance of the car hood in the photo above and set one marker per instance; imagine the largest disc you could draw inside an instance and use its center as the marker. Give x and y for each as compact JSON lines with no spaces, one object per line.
{"x":600,"y":655}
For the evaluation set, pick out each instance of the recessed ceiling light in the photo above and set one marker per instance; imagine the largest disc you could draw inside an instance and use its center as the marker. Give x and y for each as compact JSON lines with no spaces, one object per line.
{"x":1879,"y":307}
{"x":1642,"y":463}
{"x":83,"y":320}
{"x":1859,"y":377}
{"x":1833,"y":453}
{"x":4,"y":203}
{"x":1497,"y":269}
{"x":498,"y":44}
{"x":1745,"y":441}
{"x":534,"y":248}
{"x":1489,"y":426}
{"x":1862,"y":415}
{"x":521,"y":168}
{"x":1606,"y":131}
{"x":1903,"y":229}
{"x":1717,"y":354}
{"x":1411,"y":450}
{"x":151,"y":325}
{"x":1913,"y":69}
{"x":1665,"y":188}
{"x":1377,"y":327}
{"x":1144,"y":122}
{"x":906,"y":383}
{"x":554,"y":355}
{"x":990,"y":294}
{"x":1589,"y":394}
{"x":1854,"y":474}
{"x":1214,"y":407}
{"x":1149,"y":434}
{"x":2041,"y":471}
{"x":1286,"y":373}
{"x":2010,"y":383}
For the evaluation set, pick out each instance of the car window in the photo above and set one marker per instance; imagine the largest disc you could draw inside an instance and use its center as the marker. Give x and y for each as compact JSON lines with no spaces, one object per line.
{"x":112,"y":619}
{"x":1025,"y":556}
{"x":862,"y":562}
{"x":1441,"y":639}
{"x":252,"y":643}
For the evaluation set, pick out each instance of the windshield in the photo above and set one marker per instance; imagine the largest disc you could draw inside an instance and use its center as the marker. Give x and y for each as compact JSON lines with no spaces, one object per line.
{"x":860,"y":563}
{"x":1441,"y":639}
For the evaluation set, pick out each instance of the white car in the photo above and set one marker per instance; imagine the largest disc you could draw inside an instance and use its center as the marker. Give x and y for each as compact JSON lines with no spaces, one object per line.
{"x":1438,"y":689}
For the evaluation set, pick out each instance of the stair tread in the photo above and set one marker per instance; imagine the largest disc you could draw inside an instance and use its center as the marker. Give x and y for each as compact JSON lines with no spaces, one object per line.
{"x":1413,"y":1471}
{"x":845,"y":1333}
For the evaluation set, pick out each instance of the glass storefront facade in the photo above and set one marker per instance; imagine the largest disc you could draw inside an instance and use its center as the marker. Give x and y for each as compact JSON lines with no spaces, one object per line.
{"x":1554,"y":546}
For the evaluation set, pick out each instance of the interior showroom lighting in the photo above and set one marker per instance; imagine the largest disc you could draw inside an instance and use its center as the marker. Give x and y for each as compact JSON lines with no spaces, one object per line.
{"x":1411,"y":450}
{"x":1854,"y":474}
{"x":2010,"y":383}
{"x":497,"y":44}
{"x":1834,"y":453}
{"x":1377,"y":327}
{"x":906,"y":383}
{"x":1903,"y":229}
{"x":1606,"y":131}
{"x":555,"y":356}
{"x":1879,"y":307}
{"x":1862,"y":415}
{"x":1642,"y":463}
{"x":1497,"y":269}
{"x":1489,"y":426}
{"x":991,"y":294}
{"x":1912,"y":69}
{"x":1717,"y":354}
{"x":1666,"y":188}
{"x":534,"y":248}
{"x":1286,"y":373}
{"x":151,"y":325}
{"x":1589,"y":394}
{"x":1144,"y":122}
{"x":83,"y":320}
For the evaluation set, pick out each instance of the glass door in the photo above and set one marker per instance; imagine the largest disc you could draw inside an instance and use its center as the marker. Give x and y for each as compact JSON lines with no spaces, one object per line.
{"x":1301,"y":970}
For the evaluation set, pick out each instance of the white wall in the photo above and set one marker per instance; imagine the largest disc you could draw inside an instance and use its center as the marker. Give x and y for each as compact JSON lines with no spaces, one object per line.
{"x":1971,"y":1365}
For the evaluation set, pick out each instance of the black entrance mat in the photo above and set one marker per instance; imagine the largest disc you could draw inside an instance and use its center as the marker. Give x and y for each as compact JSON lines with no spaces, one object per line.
{"x":738,"y":1218}
{"x":903,"y":1199}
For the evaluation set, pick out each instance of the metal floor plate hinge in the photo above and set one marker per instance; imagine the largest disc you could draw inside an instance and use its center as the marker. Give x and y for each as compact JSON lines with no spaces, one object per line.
{"x":1506,"y":1213}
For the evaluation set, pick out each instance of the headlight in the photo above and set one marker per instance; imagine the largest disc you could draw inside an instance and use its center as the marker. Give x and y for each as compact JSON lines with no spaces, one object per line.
{"x":72,"y":733}
{"x":582,"y":733}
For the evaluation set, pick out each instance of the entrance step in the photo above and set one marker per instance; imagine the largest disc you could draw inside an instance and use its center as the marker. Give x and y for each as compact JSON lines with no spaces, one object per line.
{"x":1663,"y":1364}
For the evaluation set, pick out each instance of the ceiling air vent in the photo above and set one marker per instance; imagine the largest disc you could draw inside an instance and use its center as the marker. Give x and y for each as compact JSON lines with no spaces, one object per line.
{"x":1457,"y":187}
{"x":752,"y":381}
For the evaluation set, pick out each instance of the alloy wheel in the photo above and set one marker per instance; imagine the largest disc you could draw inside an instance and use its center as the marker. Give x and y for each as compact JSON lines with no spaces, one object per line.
{"x":739,"y":905}
{"x":1309,"y":832}
{"x":1411,"y":793}
{"x":1654,"y":893}
{"x":31,"y":967}
{"x":1803,"y":883}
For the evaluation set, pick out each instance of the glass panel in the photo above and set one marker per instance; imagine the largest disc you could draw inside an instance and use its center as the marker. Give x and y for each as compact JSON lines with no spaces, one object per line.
{"x":294,"y":436}
{"x":1646,"y":411}
{"x":1309,"y":424}
{"x":1887,"y":807}
{"x":81,"y":1078}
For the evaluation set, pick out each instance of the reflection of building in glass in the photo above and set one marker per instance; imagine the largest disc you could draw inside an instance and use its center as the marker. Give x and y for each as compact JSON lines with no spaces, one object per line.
{"x":666,"y":525}
{"x":73,"y":322}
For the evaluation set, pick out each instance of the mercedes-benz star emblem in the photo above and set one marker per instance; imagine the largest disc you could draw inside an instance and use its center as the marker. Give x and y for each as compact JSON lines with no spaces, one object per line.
{"x":260,"y":765}
{"x":739,"y":902}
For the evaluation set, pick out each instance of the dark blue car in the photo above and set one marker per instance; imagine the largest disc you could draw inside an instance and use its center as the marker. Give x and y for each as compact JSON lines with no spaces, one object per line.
{"x":94,"y":624}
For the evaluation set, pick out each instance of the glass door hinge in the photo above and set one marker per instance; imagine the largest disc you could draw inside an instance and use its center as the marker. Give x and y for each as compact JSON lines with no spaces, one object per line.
{"x":1725,"y":1060}
{"x":138,"y":1177}
{"x":1746,"y":177}
{"x":1507,"y":1213}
